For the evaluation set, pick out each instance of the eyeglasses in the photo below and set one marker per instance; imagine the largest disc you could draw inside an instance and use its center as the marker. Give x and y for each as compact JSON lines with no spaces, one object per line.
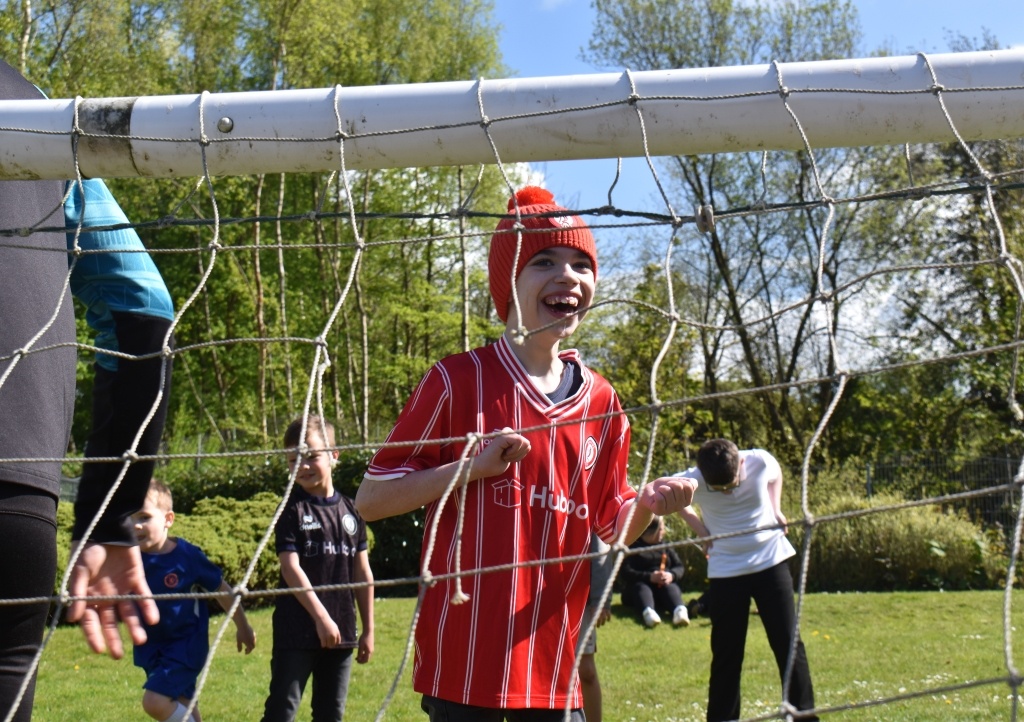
{"x":726,"y":487}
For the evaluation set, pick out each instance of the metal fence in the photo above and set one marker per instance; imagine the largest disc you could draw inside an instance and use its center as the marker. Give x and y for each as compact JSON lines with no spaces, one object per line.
{"x":923,"y":475}
{"x":68,"y":488}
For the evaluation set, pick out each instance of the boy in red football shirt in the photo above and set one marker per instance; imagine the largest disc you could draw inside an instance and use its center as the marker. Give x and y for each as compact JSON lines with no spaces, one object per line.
{"x":551,"y":470}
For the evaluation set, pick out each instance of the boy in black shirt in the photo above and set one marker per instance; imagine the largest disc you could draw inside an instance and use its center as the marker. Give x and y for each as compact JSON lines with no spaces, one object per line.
{"x":321,"y":540}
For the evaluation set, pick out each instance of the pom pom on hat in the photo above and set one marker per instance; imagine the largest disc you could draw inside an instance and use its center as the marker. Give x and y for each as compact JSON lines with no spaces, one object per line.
{"x":531,"y":196}
{"x":538,"y":234}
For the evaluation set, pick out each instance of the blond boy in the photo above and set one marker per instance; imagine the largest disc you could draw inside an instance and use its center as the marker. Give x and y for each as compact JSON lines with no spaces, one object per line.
{"x":177,"y":646}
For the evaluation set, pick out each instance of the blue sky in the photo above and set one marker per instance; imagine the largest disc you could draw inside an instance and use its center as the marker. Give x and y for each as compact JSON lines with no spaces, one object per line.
{"x":544,"y":37}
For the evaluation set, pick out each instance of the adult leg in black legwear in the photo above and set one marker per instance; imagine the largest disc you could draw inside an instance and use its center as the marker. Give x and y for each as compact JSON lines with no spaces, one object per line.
{"x":773,"y":593}
{"x":729,"y":617}
{"x":668,"y":597}
{"x":639,"y":596}
{"x":440,"y":710}
{"x":28,"y":536}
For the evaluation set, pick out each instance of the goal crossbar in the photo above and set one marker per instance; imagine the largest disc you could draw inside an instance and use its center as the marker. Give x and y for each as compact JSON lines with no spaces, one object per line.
{"x":839,"y":103}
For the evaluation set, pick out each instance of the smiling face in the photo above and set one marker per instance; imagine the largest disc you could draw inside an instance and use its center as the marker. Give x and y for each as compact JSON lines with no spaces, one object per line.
{"x":314,"y":468}
{"x":553,"y":287}
{"x":151,"y":524}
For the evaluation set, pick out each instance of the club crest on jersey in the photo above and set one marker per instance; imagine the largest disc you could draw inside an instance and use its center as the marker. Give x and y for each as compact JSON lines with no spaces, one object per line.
{"x":348,"y":523}
{"x":507,"y":493}
{"x":171,"y":580}
{"x":589,"y":452}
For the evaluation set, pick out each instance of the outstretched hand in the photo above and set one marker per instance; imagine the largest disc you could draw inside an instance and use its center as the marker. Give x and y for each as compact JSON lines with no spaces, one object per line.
{"x":110,"y":570}
{"x":667,"y":494}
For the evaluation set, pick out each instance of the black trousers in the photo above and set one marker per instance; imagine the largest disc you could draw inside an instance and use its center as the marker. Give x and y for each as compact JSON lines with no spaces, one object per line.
{"x":643,"y":594}
{"x":290,"y":670}
{"x":441,"y":710}
{"x":772,"y":591}
{"x":28,"y":565}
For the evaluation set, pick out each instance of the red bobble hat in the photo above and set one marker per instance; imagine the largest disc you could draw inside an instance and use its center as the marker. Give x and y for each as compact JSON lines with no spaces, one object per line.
{"x":538,"y":234}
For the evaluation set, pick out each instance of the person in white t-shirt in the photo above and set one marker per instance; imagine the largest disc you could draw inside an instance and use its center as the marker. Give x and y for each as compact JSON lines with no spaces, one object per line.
{"x":741,"y":491}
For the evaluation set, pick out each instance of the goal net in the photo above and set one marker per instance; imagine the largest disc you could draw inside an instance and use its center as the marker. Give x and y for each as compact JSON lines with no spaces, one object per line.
{"x":325,"y":246}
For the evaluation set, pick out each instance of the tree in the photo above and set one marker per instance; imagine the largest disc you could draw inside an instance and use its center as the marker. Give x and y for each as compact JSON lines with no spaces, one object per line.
{"x":963,"y":407}
{"x":754,"y":283}
{"x":281,"y":279}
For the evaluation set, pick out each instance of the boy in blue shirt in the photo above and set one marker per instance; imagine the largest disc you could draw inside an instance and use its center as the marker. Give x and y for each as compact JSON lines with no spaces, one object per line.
{"x":176,"y":648}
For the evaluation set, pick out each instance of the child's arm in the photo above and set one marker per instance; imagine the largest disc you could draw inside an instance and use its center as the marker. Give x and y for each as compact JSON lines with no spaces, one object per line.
{"x":364,"y":600}
{"x":692,"y":518}
{"x":295,"y":577}
{"x":775,"y":495}
{"x":245,"y":635}
{"x":659,"y":497}
{"x":377,"y":499}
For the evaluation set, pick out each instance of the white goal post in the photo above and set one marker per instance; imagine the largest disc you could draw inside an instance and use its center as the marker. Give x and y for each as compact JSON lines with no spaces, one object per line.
{"x":851,"y":102}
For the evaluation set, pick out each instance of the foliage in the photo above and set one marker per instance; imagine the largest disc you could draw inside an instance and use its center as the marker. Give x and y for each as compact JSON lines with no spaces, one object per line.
{"x":278,"y":276}
{"x":626,"y":344}
{"x":917,"y":547}
{"x":742,"y":274}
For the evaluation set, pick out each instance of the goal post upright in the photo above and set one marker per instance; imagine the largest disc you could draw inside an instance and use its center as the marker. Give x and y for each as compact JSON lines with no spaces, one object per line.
{"x":851,"y":102}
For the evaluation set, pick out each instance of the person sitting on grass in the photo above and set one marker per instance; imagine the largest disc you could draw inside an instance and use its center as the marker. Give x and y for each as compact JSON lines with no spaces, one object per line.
{"x":177,"y":646}
{"x":651,"y":577}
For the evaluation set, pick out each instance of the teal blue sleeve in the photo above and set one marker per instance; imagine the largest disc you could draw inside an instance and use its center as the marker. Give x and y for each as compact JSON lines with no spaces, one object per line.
{"x":121,"y":277}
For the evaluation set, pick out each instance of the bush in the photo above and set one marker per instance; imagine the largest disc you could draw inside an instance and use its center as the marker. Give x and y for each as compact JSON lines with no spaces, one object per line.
{"x":216,"y":479}
{"x":227,"y":530}
{"x":911,"y":548}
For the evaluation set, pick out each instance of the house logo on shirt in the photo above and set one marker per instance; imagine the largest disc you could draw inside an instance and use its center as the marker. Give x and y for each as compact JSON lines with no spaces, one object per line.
{"x":308,"y":522}
{"x":506,"y":493}
{"x":171,"y":580}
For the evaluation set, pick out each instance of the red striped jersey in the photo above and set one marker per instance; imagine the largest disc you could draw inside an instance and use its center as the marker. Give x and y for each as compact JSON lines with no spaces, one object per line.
{"x":512,"y":644}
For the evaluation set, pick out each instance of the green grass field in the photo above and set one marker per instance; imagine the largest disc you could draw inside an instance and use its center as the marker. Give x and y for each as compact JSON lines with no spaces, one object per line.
{"x":862,"y":647}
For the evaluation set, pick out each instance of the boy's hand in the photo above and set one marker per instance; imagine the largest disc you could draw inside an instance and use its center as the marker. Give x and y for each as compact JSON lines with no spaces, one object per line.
{"x":245,"y":636}
{"x":500,"y":453}
{"x":110,"y":570}
{"x":330,"y":635}
{"x":668,"y":494}
{"x":365,"y":648}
